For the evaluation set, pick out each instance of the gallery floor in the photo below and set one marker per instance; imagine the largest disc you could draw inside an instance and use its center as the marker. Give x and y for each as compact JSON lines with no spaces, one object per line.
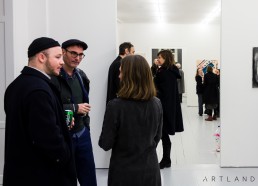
{"x":195,"y":161}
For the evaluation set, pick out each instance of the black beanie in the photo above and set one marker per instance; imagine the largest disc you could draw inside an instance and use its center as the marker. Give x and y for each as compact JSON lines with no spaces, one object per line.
{"x":41,"y":44}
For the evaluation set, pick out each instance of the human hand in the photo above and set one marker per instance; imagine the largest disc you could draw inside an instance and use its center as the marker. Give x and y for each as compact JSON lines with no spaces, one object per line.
{"x":83,"y":108}
{"x":72,"y":124}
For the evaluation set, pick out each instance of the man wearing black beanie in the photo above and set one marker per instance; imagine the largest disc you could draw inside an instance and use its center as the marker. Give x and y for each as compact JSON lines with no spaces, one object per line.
{"x":38,"y":148}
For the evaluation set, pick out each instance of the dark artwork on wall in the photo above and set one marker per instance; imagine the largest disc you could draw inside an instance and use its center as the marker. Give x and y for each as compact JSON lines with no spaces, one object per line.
{"x":177,"y":54}
{"x":255,"y":67}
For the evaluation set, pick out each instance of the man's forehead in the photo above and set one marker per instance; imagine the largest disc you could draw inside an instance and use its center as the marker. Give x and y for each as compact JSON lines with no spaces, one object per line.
{"x":55,"y":50}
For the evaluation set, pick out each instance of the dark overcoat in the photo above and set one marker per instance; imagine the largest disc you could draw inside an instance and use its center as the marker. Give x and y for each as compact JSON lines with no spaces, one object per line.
{"x":211,"y":91}
{"x":167,"y":91}
{"x":199,"y":85}
{"x":181,"y":82}
{"x":38,"y":148}
{"x":132,"y":129}
{"x":113,"y":79}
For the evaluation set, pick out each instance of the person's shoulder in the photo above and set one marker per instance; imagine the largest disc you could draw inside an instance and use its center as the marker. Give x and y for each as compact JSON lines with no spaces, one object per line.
{"x":80,"y":71}
{"x":118,"y":58}
{"x":114,"y":66}
{"x":115,"y":103}
{"x":82,"y":74}
{"x":116,"y":61}
{"x":198,"y":77}
{"x":175,"y":71}
{"x":156,"y":100}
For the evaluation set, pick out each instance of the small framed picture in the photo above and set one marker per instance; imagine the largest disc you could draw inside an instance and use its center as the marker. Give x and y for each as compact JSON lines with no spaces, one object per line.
{"x":255,"y":67}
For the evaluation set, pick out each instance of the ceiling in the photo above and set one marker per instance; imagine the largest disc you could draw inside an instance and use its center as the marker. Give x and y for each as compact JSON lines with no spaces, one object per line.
{"x":168,"y":11}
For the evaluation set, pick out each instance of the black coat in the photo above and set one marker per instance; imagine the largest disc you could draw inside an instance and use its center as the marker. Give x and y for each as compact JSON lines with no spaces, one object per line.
{"x":67,"y":97}
{"x":38,"y":148}
{"x":167,"y":91}
{"x":211,"y":91}
{"x":181,"y":82}
{"x":113,"y":79}
{"x":132,"y":129}
{"x":199,"y":85}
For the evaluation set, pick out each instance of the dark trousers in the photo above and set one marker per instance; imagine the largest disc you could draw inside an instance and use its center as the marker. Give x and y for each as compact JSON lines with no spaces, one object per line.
{"x":166,"y":144}
{"x":217,"y":110}
{"x":200,"y":104}
{"x":181,"y":98}
{"x":210,"y":108}
{"x":84,"y":160}
{"x":209,"y":112}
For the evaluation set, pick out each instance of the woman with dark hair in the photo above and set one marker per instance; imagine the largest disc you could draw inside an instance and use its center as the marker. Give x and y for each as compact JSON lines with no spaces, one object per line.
{"x":199,"y":89}
{"x":211,"y":93}
{"x":132,"y":127}
{"x":167,"y":91}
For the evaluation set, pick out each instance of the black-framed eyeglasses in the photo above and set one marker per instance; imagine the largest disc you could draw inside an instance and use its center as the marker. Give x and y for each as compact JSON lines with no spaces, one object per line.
{"x":75,"y":54}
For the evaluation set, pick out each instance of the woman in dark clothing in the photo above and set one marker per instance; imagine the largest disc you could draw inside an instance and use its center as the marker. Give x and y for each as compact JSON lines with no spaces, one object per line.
{"x":132,"y":127}
{"x":217,"y":110}
{"x":211,"y":93}
{"x":199,"y":89}
{"x":167,"y":91}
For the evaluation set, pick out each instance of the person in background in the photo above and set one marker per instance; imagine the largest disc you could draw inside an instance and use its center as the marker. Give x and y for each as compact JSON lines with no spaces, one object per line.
{"x":73,"y":85}
{"x":154,"y":67}
{"x":181,"y":82}
{"x":217,"y":110}
{"x":199,"y":89}
{"x":38,"y":148}
{"x":167,"y":91}
{"x":211,"y":93}
{"x":132,"y":127}
{"x":125,"y":49}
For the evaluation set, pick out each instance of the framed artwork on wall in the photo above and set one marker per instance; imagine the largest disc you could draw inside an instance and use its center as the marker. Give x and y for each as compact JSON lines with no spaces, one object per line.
{"x":255,"y":67}
{"x":177,"y":52}
{"x":204,"y":63}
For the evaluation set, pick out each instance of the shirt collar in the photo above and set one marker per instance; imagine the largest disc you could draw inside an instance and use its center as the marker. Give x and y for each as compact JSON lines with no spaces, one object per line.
{"x":66,"y":75}
{"x":41,"y":72}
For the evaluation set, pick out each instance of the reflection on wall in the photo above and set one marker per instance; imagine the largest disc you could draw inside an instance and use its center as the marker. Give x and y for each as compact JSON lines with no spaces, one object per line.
{"x":176,"y":52}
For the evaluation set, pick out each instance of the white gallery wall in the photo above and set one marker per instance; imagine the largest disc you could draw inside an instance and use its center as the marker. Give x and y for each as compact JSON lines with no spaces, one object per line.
{"x":2,"y":82}
{"x":197,"y":41}
{"x":239,"y":101}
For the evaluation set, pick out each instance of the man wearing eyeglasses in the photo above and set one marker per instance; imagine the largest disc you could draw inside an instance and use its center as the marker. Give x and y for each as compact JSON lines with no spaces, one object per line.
{"x":74,"y":88}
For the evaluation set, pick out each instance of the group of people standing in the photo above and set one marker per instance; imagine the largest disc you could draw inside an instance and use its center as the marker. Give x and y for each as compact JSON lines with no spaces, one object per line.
{"x":142,"y":107}
{"x":208,"y":91}
{"x":40,"y":149}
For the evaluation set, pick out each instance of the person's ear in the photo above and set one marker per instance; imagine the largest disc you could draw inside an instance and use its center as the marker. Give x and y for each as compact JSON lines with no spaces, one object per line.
{"x":63,"y":51}
{"x":126,"y":51}
{"x":41,"y":57}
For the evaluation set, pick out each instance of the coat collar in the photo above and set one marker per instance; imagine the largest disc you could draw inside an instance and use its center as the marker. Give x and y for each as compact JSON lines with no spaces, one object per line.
{"x":34,"y":72}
